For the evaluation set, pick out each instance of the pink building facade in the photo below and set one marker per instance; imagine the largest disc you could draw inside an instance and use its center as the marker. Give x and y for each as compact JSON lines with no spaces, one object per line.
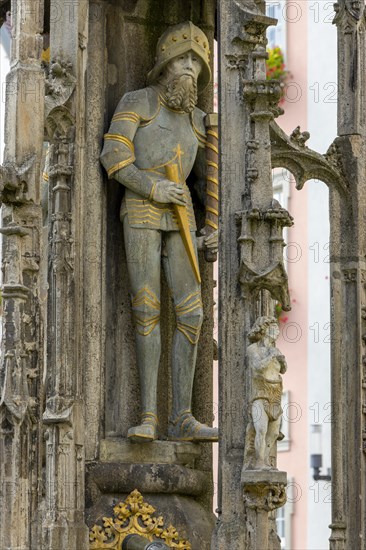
{"x":308,"y":40}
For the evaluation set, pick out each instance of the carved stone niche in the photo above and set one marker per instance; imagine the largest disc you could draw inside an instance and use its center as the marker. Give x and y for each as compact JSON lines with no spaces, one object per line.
{"x":254,"y":275}
{"x":176,"y":479}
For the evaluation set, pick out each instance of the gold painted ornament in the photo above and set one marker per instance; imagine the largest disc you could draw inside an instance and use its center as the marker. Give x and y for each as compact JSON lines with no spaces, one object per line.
{"x":134,"y":516}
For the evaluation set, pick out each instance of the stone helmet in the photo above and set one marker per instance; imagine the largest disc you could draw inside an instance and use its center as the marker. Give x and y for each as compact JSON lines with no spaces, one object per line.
{"x":177,"y":40}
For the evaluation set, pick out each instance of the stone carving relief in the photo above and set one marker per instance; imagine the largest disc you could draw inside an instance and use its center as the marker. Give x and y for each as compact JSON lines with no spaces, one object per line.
{"x":265,"y":496}
{"x":60,"y":85}
{"x":304,"y":163}
{"x":13,"y":181}
{"x":134,"y":516}
{"x":350,"y":11}
{"x":266,"y":364}
{"x":273,"y":277}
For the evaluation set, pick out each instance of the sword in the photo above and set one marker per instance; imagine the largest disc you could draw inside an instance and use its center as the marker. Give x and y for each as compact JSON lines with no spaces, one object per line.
{"x":172,"y":173}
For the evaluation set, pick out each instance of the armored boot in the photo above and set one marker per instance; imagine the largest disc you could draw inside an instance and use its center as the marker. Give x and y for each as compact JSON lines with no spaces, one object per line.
{"x":146,"y":431}
{"x":186,"y":428}
{"x":182,"y":425}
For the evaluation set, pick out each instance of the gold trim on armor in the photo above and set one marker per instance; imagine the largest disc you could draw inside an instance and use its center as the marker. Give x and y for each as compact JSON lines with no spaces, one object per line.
{"x":120,"y":165}
{"x":147,"y":121}
{"x":155,"y":168}
{"x":200,"y":136}
{"x":188,"y":309}
{"x":185,"y":307}
{"x":121,"y":139}
{"x":190,"y":332}
{"x":150,"y":414}
{"x":129,"y":117}
{"x":46,"y":177}
{"x":146,"y":323}
{"x":183,"y":304}
{"x":145,"y":297}
{"x":151,"y":195}
{"x":147,"y":212}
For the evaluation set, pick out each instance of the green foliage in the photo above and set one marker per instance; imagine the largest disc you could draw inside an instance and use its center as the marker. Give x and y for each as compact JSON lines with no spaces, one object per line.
{"x":276,"y":64}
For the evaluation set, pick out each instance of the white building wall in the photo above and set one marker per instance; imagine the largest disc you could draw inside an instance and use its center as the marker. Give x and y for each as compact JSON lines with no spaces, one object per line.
{"x":322,"y":124}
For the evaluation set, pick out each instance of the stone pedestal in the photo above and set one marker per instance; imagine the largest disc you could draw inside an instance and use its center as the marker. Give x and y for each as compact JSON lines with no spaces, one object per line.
{"x":264,"y":491}
{"x":157,"y":470}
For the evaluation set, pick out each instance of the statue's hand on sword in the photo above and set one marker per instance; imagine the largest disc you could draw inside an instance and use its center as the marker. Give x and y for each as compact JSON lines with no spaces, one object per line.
{"x":166,"y":191}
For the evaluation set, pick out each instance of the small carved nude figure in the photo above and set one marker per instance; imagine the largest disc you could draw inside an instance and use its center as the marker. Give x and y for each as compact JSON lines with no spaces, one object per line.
{"x":266,"y":364}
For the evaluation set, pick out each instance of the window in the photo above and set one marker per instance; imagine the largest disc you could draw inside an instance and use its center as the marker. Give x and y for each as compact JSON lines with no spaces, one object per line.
{"x":281,"y":186}
{"x":284,"y":518}
{"x":284,"y":444}
{"x":280,"y":522}
{"x":276,"y":36}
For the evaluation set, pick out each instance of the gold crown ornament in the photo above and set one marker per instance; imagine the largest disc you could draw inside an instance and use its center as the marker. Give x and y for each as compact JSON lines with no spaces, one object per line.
{"x":178,"y":40}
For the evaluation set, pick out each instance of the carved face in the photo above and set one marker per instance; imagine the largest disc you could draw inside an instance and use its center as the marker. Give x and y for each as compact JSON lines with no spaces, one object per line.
{"x":180,"y":80}
{"x":186,"y":64}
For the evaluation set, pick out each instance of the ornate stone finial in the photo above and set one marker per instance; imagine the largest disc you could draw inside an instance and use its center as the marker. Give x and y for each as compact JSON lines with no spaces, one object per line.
{"x":134,"y":516}
{"x":298,"y":137}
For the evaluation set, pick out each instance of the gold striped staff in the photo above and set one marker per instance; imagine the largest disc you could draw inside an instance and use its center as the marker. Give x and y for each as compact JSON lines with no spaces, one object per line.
{"x":172,"y":173}
{"x":212,"y":180}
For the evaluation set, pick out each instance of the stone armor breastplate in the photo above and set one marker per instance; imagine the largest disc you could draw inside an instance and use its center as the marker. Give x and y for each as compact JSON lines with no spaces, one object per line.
{"x":145,"y":131}
{"x":168,"y":138}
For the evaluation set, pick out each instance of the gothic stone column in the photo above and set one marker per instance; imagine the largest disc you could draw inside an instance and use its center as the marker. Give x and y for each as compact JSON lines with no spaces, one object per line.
{"x":21,"y":370}
{"x":251,"y":266}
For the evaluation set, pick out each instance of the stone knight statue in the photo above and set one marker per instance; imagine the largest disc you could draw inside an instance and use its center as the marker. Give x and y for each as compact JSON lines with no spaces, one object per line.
{"x":152,"y":130}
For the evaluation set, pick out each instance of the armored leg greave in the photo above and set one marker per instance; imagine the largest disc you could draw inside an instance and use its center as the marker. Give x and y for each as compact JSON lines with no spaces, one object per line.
{"x":143,"y":251}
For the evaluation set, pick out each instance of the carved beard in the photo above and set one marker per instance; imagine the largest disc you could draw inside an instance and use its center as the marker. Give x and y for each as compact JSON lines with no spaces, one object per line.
{"x":181,"y":93}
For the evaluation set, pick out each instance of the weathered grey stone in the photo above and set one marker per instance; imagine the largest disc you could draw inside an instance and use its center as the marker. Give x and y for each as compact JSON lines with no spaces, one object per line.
{"x":92,"y":386}
{"x":109,"y":351}
{"x":162,"y":452}
{"x":21,"y":369}
{"x":119,"y":478}
{"x":253,"y":271}
{"x":266,"y":364}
